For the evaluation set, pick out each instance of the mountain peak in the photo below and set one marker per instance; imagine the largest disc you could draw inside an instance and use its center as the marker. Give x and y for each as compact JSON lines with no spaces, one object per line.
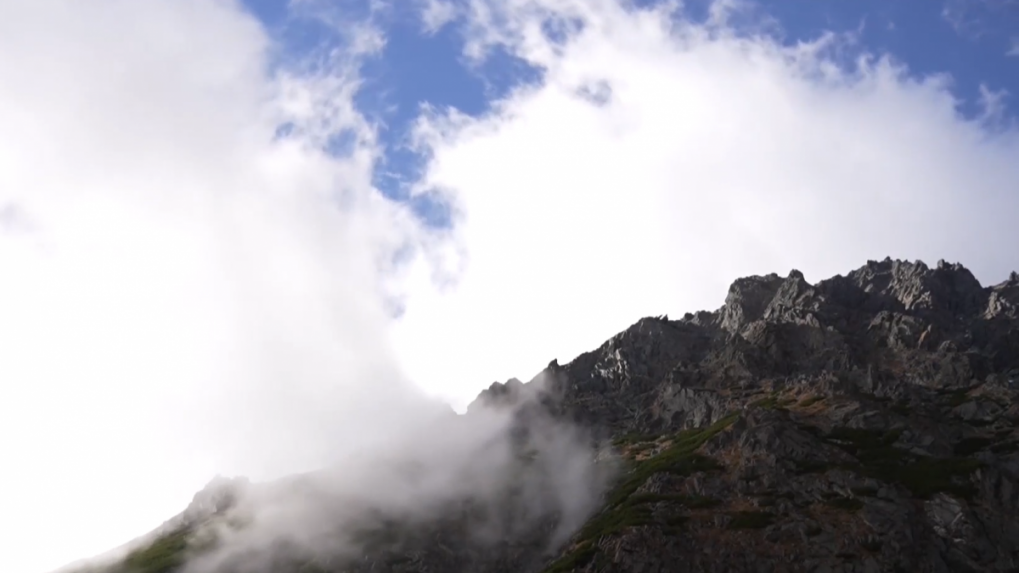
{"x":869,"y":421}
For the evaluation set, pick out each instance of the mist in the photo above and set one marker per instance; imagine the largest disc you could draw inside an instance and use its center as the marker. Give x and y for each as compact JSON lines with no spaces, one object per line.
{"x":195,"y":285}
{"x":492,"y":473}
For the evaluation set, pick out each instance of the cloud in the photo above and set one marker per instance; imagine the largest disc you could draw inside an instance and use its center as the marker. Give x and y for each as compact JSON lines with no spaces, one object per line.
{"x":424,"y":479}
{"x":198,"y":276}
{"x":993,"y":107}
{"x":958,"y":15}
{"x":435,"y":14}
{"x":978,"y":19}
{"x":711,"y":153}
{"x":188,"y":289}
{"x":1013,"y":49}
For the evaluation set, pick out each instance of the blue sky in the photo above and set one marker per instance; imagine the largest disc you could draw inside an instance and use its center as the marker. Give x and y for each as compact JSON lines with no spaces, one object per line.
{"x":415,"y":68}
{"x":969,"y":40}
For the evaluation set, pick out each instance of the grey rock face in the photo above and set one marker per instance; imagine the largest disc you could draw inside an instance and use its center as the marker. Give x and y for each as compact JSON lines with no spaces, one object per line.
{"x":875,"y":427}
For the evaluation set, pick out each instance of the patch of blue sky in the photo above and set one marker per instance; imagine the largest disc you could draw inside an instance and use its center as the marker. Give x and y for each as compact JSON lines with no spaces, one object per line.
{"x":413,"y":70}
{"x":968,"y":40}
{"x":343,"y":143}
{"x":294,"y":32}
{"x":272,"y":13}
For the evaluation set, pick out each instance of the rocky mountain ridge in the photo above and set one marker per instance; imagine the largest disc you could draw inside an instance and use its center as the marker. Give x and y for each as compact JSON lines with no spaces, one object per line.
{"x":867,"y":422}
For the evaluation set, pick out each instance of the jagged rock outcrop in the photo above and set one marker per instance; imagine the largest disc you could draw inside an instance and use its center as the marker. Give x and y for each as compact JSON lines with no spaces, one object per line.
{"x":868,"y":422}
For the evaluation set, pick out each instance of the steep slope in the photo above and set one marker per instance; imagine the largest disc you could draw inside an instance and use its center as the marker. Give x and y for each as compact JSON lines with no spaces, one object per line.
{"x":871,"y":426}
{"x":863,"y":423}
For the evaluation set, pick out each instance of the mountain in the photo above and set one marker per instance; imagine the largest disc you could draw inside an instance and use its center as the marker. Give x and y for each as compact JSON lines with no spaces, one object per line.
{"x":864,"y":423}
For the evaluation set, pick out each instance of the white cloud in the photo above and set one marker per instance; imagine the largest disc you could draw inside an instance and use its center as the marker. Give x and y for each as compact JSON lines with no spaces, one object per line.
{"x":190,"y":290}
{"x":431,"y":468}
{"x":992,"y":103}
{"x":183,"y":294}
{"x":436,"y":13}
{"x":1013,"y":49}
{"x":718,"y":154}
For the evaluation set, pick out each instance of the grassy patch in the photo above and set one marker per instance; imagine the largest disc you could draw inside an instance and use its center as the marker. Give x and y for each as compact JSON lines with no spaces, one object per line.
{"x":690,"y":501}
{"x":633,"y":513}
{"x":769,"y":403}
{"x":812,"y":430}
{"x":751,"y":520}
{"x":955,"y":398}
{"x":616,"y":519}
{"x":844,"y":503}
{"x":634,"y":438}
{"x":970,"y":446}
{"x":624,"y":509}
{"x":579,"y":556}
{"x":864,"y":491}
{"x":863,"y":442}
{"x":701,"y":502}
{"x":880,"y":459}
{"x":928,"y":476}
{"x":901,"y":408}
{"x":1005,"y":447}
{"x":804,"y":467}
{"x":810,"y":401}
{"x":872,"y":545}
{"x":674,"y":523}
{"x":165,"y":555}
{"x":773,"y":402}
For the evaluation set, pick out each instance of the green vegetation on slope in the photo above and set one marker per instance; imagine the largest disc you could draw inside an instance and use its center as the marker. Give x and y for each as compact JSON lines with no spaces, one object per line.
{"x":165,"y":555}
{"x":624,"y":508}
{"x":924,"y":476}
{"x":751,"y":520}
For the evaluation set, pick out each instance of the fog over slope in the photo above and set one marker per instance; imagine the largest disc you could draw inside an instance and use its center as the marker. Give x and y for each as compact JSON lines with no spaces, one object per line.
{"x":507,"y":471}
{"x":187,"y":291}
